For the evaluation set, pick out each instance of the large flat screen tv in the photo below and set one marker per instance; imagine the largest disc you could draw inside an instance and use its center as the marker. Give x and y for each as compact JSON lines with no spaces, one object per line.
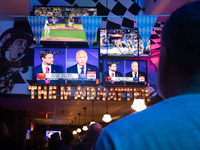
{"x":64,"y":24}
{"x":124,"y":72}
{"x":122,"y":43}
{"x":66,"y":66}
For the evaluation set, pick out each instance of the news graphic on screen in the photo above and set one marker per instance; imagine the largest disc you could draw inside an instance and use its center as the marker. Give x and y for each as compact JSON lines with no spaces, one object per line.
{"x":122,"y":42}
{"x":124,"y":72}
{"x":63,"y":23}
{"x":49,"y":65}
{"x":82,"y":66}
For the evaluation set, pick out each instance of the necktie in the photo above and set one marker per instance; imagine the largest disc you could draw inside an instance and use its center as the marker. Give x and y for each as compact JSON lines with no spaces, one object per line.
{"x":47,"y":71}
{"x":135,"y":75}
{"x":112,"y":75}
{"x":82,"y":70}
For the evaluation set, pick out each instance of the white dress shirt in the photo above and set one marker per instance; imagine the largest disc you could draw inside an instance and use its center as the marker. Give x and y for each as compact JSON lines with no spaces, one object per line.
{"x":44,"y":68}
{"x":79,"y":69}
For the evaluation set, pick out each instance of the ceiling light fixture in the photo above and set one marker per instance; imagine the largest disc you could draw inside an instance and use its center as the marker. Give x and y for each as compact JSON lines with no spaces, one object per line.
{"x":74,"y":132}
{"x":139,"y":102}
{"x":79,"y":129}
{"x":85,"y":128}
{"x":92,"y":113}
{"x":107,"y":117}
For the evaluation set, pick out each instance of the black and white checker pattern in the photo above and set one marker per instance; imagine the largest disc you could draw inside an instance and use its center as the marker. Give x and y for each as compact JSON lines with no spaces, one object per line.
{"x":155,"y":37}
{"x":122,"y":8}
{"x":112,"y":8}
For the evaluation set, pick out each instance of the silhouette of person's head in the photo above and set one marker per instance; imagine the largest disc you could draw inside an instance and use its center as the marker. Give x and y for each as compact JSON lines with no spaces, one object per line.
{"x":67,"y":136}
{"x":4,"y":133}
{"x":179,"y":69}
{"x":94,"y":130}
{"x":55,"y":136}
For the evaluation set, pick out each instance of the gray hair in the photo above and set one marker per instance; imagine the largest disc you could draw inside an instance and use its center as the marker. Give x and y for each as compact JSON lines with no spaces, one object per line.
{"x":80,"y":51}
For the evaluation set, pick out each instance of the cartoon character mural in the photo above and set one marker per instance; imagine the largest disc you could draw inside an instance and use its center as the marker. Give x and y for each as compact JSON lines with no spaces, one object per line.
{"x":13,"y":61}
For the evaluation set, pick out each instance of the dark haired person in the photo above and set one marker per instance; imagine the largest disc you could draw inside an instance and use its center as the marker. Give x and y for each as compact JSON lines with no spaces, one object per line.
{"x":112,"y":71}
{"x":54,"y":143}
{"x":7,"y":141}
{"x":13,"y":43}
{"x":89,"y":140}
{"x":68,"y":140}
{"x":175,"y":122}
{"x":47,"y":66}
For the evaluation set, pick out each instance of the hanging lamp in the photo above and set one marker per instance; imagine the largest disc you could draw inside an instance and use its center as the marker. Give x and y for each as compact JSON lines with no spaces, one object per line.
{"x":92,"y":113}
{"x":107,"y":117}
{"x":85,"y":128}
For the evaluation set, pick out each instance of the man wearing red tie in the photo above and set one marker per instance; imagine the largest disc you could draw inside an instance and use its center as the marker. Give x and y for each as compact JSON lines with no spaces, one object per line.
{"x":112,"y":72}
{"x":47,"y":67}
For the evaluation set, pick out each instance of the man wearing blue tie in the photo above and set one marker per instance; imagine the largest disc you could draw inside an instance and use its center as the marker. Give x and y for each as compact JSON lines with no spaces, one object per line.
{"x":47,"y":67}
{"x":135,"y":73}
{"x":82,"y":67}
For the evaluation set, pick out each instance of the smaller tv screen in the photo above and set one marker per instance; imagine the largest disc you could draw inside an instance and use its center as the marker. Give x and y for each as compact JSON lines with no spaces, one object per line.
{"x":49,"y":133}
{"x":63,"y":23}
{"x":83,"y":65}
{"x":122,"y":42}
{"x":49,"y":65}
{"x":66,"y":66}
{"x":124,"y":72}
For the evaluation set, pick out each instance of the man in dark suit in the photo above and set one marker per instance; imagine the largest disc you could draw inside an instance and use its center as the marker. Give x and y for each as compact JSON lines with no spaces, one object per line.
{"x":47,"y":67}
{"x":112,"y":72}
{"x":135,"y":73}
{"x":82,"y":67}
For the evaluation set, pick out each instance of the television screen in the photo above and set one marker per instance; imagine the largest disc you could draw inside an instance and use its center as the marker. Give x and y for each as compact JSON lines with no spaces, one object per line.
{"x":66,"y":66}
{"x":49,"y":133}
{"x":63,"y":23}
{"x":124,"y":72}
{"x":122,"y":42}
{"x":83,"y":64}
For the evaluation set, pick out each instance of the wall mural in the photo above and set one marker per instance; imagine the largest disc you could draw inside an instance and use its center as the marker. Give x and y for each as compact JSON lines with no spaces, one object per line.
{"x":16,"y":59}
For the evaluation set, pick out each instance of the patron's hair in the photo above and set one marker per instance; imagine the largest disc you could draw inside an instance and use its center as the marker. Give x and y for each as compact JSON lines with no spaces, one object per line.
{"x":181,"y":35}
{"x":66,"y":135}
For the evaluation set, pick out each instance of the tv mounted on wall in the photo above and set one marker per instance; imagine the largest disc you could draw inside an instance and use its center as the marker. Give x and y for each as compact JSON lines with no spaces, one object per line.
{"x":124,"y":72}
{"x":65,"y":26}
{"x":122,"y":43}
{"x":65,"y":66}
